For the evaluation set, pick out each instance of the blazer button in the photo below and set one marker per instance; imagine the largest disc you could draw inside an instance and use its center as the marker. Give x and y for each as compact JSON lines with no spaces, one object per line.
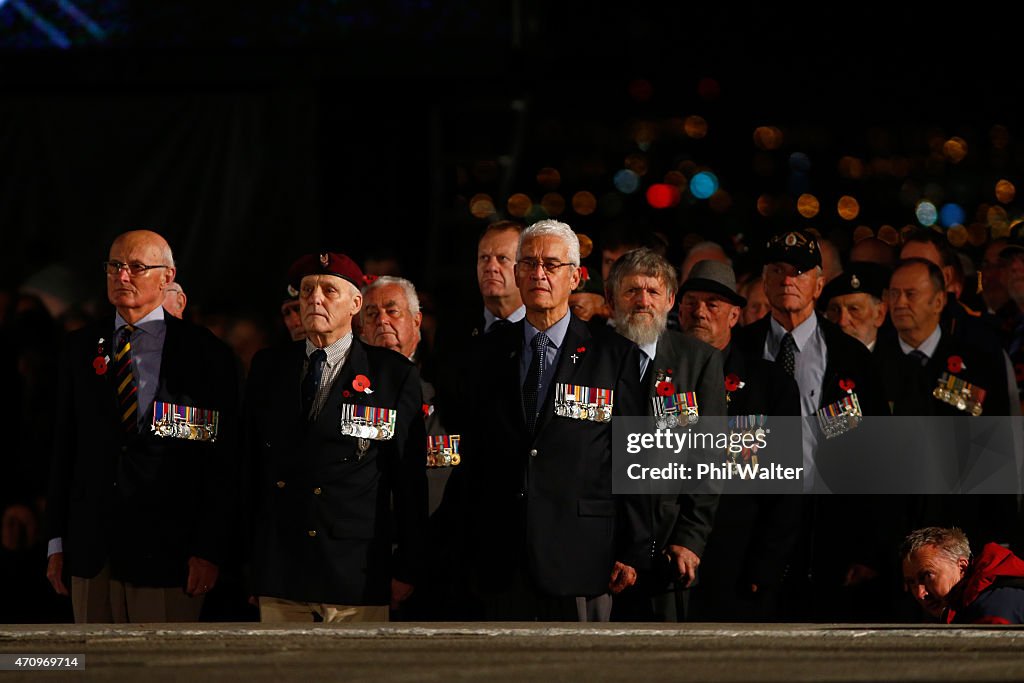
{"x":522,"y":493}
{"x":280,"y":484}
{"x":312,"y":533}
{"x":317,"y":491}
{"x":268,"y":444}
{"x":533,"y":452}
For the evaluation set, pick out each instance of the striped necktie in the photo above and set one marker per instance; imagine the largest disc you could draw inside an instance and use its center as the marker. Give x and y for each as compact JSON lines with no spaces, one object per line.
{"x":127,"y":387}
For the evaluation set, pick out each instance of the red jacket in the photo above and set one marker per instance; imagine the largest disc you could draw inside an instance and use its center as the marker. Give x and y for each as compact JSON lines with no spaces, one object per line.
{"x":974,"y":606}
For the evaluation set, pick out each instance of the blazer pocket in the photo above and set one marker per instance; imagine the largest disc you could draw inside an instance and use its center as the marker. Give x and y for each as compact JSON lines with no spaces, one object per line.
{"x":595,"y":508}
{"x":352,"y":528}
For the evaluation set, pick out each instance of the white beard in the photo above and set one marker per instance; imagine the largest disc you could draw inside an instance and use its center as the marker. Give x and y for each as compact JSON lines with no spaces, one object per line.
{"x":638,"y":330}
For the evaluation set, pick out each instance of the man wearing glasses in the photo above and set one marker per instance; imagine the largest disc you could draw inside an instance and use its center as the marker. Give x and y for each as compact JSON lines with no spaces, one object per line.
{"x":549,"y":541}
{"x":142,"y":479}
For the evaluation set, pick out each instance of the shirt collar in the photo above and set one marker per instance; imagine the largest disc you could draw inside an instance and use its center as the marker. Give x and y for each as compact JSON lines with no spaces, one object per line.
{"x":335,"y":352}
{"x":148,"y":322}
{"x":556,"y":333}
{"x":513,"y":317}
{"x":650,"y":349}
{"x":801,"y":333}
{"x":928,"y":346}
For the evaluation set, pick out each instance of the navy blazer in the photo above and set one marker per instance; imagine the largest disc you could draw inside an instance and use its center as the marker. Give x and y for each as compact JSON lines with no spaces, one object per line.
{"x":143,"y":503}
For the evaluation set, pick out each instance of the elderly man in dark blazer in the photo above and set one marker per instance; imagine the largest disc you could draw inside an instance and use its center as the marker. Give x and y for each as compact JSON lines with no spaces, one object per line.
{"x":334,"y":432}
{"x":641,"y":290}
{"x":548,"y":540}
{"x":144,"y":478}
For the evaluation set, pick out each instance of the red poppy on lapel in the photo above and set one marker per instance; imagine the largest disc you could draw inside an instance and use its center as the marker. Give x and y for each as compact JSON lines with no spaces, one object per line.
{"x":955,"y":364}
{"x":664,"y":388}
{"x":581,"y":349}
{"x":346,"y":393}
{"x":426,"y":410}
{"x":362,"y":384}
{"x":99,"y":364}
{"x":847,"y":385}
{"x":732,"y":382}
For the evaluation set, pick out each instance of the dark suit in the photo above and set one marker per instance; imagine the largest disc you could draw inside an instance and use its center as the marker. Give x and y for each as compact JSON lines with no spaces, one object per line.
{"x":836,"y":531}
{"x":323,"y":528}
{"x":143,"y":503}
{"x":683,"y":520}
{"x":754,"y":535}
{"x":540,"y":506}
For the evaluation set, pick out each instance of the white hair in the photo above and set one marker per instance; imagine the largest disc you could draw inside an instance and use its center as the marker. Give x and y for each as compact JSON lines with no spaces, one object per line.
{"x":553,"y":229}
{"x":407,"y":288}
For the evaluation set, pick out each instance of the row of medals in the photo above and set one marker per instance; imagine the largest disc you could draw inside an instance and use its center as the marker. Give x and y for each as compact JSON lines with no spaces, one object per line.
{"x":584,"y":411}
{"x":184,"y":430}
{"x":960,"y":399}
{"x":669,"y":420}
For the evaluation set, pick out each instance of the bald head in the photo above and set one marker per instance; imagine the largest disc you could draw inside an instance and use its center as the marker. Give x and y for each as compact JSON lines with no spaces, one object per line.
{"x":175,"y":300}
{"x":135,"y":295}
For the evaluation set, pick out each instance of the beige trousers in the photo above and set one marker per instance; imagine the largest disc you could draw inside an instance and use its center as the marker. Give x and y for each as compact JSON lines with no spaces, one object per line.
{"x":275,"y":610}
{"x":103,"y":600}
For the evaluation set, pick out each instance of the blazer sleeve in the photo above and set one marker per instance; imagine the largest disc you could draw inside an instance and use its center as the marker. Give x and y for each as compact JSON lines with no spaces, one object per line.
{"x":634,"y":530}
{"x":409,"y":481}
{"x":65,"y":448}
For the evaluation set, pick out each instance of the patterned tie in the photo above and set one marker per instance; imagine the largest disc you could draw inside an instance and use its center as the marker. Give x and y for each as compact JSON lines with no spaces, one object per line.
{"x":311,"y":382}
{"x":787,"y":354}
{"x":531,"y":387}
{"x":127,"y":387}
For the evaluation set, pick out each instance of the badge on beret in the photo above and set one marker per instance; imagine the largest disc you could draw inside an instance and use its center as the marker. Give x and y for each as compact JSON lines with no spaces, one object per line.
{"x":855,"y":282}
{"x":584,"y":403}
{"x":791,"y":239}
{"x":324,"y":260}
{"x":174,"y":421}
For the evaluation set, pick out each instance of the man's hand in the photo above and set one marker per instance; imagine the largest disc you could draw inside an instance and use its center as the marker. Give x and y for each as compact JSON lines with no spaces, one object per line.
{"x":623,"y":576}
{"x":686,"y":563}
{"x":54,"y":569}
{"x":202,"y":576}
{"x":400,"y":592}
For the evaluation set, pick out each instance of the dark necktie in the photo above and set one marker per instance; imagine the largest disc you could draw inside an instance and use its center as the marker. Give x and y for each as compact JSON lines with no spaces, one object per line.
{"x":787,"y":354}
{"x":497,"y":325}
{"x":919,"y":357}
{"x":311,"y":382}
{"x":127,"y":387}
{"x":534,"y":376}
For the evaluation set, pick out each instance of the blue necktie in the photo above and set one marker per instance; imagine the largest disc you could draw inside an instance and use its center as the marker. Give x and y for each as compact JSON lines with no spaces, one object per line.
{"x":534,"y":376}
{"x":787,"y":354}
{"x":311,"y":382}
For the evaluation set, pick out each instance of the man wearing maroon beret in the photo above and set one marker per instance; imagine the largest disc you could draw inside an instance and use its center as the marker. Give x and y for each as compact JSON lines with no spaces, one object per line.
{"x":334,"y":435}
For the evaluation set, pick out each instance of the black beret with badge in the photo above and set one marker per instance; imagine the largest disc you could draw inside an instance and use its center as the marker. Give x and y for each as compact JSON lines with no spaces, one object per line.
{"x":859,"y":277}
{"x":798,"y":248}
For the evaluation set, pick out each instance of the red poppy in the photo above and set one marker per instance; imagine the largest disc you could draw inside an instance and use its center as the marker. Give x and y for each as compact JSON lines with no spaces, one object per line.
{"x":847,"y":385}
{"x":665,"y":388}
{"x":581,"y":349}
{"x":100,"y":365}
{"x":669,"y":371}
{"x":426,"y":410}
{"x":584,"y":274}
{"x":955,"y":364}
{"x":361,"y":383}
{"x":732,"y":382}
{"x":346,"y":393}
{"x":370,"y":279}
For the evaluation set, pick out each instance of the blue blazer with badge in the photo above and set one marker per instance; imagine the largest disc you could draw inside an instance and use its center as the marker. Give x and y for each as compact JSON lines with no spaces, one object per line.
{"x":141,"y":502}
{"x":542,"y":504}
{"x":323,"y":525}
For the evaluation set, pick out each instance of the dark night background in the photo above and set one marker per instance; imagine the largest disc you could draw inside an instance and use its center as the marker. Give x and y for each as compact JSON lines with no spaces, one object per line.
{"x":249,"y":135}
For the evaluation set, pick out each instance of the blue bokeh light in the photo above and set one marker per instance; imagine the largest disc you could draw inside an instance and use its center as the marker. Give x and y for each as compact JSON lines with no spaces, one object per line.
{"x":703,"y":185}
{"x":626,"y":181}
{"x":951,"y":214}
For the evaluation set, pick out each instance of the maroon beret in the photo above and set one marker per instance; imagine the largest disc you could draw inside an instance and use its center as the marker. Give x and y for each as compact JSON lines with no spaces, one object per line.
{"x":327,"y":263}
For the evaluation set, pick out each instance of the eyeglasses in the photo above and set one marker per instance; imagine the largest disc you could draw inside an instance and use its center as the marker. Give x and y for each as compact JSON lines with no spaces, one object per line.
{"x":115,"y":267}
{"x":529,"y":265}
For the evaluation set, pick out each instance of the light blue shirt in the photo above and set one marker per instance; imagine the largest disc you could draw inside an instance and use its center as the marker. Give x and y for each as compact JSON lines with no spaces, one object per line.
{"x":928,"y":346}
{"x":147,"y":354}
{"x":649,"y":351}
{"x":810,"y":360}
{"x":556,"y":336}
{"x":513,"y":317}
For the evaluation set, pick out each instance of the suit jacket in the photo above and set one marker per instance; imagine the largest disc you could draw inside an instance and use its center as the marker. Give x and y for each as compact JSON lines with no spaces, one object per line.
{"x":686,"y":520}
{"x":323,"y":527}
{"x":541,"y":504}
{"x":143,"y":503}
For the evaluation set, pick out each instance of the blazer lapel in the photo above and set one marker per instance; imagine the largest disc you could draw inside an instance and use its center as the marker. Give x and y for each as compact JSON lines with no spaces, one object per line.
{"x":577,"y":336}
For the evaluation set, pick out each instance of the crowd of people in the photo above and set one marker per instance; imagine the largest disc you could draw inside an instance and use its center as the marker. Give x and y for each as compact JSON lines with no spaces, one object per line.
{"x":380,"y":462}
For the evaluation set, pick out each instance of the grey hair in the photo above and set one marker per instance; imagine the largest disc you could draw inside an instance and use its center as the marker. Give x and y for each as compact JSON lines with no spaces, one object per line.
{"x":951,"y":542}
{"x":407,"y":288}
{"x":550,"y":228}
{"x":641,"y":261}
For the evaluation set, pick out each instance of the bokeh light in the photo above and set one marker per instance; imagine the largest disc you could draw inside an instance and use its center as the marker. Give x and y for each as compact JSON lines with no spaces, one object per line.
{"x":766,"y":205}
{"x":553,"y":203}
{"x":485,"y":171}
{"x":662,"y":195}
{"x":584,"y":203}
{"x":998,"y":221}
{"x":851,"y":167}
{"x":862,"y":232}
{"x":889,"y":235}
{"x":848,"y":207}
{"x":926,"y":213}
{"x":644,"y":133}
{"x":549,"y":178}
{"x":637,"y":163}
{"x":626,"y":181}
{"x":800,"y":162}
{"x":695,"y":127}
{"x":519,"y":205}
{"x":1005,"y":191}
{"x":957,"y":236}
{"x":768,"y":138}
{"x":999,"y":136}
{"x":951,"y":214}
{"x":703,"y":184}
{"x":955,"y":149}
{"x":807,"y":205}
{"x":482,"y":206}
{"x":720,"y":202}
{"x":586,"y":245}
{"x":676,"y":178}
{"x":977,"y":234}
